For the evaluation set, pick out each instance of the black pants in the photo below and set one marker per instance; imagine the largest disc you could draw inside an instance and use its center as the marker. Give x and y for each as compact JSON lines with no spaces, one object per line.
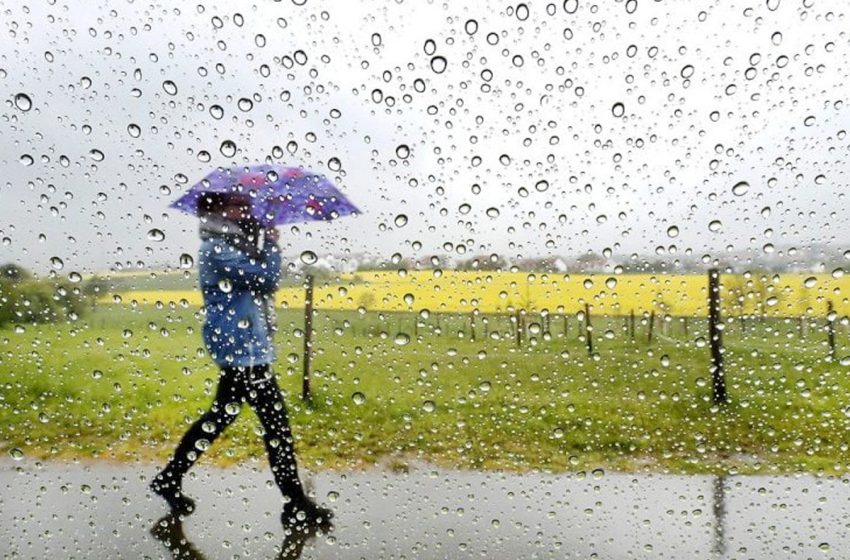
{"x":258,"y":387}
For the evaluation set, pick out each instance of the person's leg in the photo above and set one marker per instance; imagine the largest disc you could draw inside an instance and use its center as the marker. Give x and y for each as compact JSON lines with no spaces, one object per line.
{"x":264,"y":396}
{"x":222,"y":412}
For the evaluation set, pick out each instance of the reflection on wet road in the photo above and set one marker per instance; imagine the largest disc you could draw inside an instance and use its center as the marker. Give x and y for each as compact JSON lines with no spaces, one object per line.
{"x":105,"y":511}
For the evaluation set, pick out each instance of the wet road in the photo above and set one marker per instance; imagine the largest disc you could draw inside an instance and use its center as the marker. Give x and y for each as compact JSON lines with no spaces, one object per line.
{"x":57,"y":510}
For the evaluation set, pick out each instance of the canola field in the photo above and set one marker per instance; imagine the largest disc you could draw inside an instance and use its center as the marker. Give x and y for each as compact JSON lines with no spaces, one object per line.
{"x":774,"y":295}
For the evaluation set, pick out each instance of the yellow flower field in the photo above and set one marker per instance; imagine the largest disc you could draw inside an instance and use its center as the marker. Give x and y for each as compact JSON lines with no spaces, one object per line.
{"x":781,"y":295}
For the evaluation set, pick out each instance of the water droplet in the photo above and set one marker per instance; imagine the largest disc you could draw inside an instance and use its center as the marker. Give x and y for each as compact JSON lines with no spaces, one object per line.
{"x":522,"y":12}
{"x":16,"y":454}
{"x":772,"y":5}
{"x":492,"y":212}
{"x":400,"y":220}
{"x":687,"y":71}
{"x":570,"y":6}
{"x":309,"y":257}
{"x":26,"y":160}
{"x":471,"y":27}
{"x":245,"y":104}
{"x":96,"y":374}
{"x":186,"y":261}
{"x":169,"y":87}
{"x":134,"y":130}
{"x":358,"y":398}
{"x":438,"y":64}
{"x":541,"y":186}
{"x":23,"y":102}
{"x":96,"y":154}
{"x":409,"y":298}
{"x":228,"y":148}
{"x":156,"y":235}
{"x":333,"y":496}
{"x":740,"y":188}
{"x":429,"y":406}
{"x":402,"y":339}
{"x":402,"y":151}
{"x":618,"y":110}
{"x":57,"y":263}
{"x":715,"y":226}
{"x":673,"y":231}
{"x":611,"y":283}
{"x":334,"y":164}
{"x":225,"y":285}
{"x":216,"y":111}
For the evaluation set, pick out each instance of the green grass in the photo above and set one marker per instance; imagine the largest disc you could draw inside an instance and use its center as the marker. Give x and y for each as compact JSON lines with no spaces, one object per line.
{"x":123,"y":384}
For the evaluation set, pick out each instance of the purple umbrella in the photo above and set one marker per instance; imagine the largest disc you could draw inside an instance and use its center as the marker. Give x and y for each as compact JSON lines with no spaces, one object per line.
{"x":280,"y":195}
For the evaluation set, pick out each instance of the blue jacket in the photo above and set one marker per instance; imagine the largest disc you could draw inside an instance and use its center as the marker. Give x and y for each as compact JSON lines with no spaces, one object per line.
{"x":238,"y":298}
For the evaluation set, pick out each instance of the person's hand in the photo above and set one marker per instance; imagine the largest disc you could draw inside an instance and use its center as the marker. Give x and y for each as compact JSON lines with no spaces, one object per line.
{"x":272,"y":235}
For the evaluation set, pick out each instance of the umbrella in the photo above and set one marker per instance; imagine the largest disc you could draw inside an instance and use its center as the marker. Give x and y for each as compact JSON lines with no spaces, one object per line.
{"x":280,"y":194}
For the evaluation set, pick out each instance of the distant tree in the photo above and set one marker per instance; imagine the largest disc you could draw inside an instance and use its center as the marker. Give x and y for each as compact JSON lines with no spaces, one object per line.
{"x":94,"y":288}
{"x":14,"y":273}
{"x":483,"y":262}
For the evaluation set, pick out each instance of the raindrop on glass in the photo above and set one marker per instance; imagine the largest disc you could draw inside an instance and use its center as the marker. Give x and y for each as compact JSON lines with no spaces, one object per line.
{"x":740,"y":188}
{"x":169,"y":87}
{"x":438,"y":64}
{"x":228,"y":148}
{"x":23,"y":102}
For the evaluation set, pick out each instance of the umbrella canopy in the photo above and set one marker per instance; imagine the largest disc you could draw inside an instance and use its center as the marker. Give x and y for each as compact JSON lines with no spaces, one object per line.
{"x":279,"y":194}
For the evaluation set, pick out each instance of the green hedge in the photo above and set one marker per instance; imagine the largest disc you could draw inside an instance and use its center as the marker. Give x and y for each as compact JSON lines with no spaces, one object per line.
{"x":40,"y":301}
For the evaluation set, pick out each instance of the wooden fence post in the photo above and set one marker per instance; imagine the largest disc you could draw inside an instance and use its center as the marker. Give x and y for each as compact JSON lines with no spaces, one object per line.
{"x":588,"y":329}
{"x":306,"y":394}
{"x":632,"y":323}
{"x":566,"y":326}
{"x":651,"y":326}
{"x":830,"y":328}
{"x":518,"y":329}
{"x":715,"y":337}
{"x":472,"y":326}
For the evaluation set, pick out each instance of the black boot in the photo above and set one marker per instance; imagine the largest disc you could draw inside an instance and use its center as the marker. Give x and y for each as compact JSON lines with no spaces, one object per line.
{"x":304,"y":514}
{"x":170,"y":490}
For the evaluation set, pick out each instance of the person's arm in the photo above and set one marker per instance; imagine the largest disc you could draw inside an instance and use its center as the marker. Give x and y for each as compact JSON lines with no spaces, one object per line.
{"x":260,"y":275}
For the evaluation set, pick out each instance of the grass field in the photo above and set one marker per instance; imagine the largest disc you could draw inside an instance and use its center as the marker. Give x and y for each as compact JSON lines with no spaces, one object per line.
{"x":123,"y":382}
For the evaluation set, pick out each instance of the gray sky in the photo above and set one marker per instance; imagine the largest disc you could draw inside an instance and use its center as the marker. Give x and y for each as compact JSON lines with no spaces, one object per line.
{"x":712,"y":93}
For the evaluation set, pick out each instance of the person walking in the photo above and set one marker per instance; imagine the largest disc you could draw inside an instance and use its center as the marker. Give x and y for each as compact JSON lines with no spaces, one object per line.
{"x":239,"y":269}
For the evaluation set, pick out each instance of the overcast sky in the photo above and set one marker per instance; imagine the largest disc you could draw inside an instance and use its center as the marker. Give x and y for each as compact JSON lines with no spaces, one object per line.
{"x":623,"y":125}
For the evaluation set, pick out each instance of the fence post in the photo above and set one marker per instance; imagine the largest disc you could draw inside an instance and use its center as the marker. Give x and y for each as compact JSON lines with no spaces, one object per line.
{"x":830,"y":328}
{"x":472,"y":326}
{"x":588,"y":329}
{"x":651,"y":326}
{"x":518,"y":329}
{"x":715,"y":337}
{"x":632,"y":323}
{"x":566,"y":326}
{"x":308,"y":338}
